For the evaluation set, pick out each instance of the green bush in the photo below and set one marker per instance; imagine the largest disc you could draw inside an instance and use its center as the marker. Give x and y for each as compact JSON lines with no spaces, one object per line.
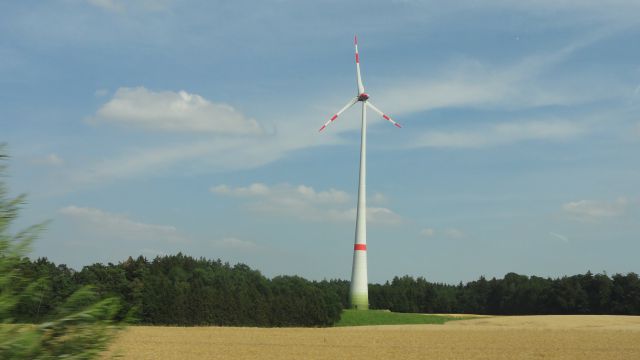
{"x":79,"y":328}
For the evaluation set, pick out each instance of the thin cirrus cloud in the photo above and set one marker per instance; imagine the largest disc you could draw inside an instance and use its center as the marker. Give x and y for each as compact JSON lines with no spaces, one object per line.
{"x":195,"y":156}
{"x":560,"y":237}
{"x":503,"y":134}
{"x":110,"y":5}
{"x":51,"y":159}
{"x":304,"y":203}
{"x":169,"y":111}
{"x":375,"y":216}
{"x":120,"y":6}
{"x":587,"y":210}
{"x":287,"y":194}
{"x":119,"y":226}
{"x":428,"y":232}
{"x":471,"y":84}
{"x":523,"y":85}
{"x":454,"y":233}
{"x":449,"y":233}
{"x":615,"y":11}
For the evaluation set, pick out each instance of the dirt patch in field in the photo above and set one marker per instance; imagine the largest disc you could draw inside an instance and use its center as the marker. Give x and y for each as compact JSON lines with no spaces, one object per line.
{"x":517,"y":337}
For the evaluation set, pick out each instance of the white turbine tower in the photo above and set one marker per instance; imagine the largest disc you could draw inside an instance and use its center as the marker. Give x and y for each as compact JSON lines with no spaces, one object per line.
{"x":359,"y":292}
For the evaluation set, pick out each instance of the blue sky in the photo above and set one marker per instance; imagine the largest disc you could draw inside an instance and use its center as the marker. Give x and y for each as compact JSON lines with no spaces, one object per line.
{"x":157,"y":126}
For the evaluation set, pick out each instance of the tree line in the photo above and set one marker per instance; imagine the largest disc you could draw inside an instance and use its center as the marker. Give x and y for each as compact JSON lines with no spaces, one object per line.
{"x":513,"y":295}
{"x":182,"y":290}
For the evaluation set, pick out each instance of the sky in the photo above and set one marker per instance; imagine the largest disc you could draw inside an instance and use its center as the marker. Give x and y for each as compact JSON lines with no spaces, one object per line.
{"x":151,"y":127}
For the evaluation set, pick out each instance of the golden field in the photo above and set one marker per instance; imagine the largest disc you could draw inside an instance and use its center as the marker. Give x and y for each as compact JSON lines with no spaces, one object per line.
{"x":512,"y":337}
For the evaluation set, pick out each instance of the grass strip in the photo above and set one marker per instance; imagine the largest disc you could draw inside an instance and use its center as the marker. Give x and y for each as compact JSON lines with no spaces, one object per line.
{"x":385,"y":317}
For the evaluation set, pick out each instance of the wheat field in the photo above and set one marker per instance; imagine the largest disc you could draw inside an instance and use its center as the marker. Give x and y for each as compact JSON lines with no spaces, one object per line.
{"x":513,"y":337}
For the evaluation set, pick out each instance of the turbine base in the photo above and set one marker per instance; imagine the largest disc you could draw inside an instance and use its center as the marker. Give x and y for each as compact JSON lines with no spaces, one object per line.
{"x":359,"y":301}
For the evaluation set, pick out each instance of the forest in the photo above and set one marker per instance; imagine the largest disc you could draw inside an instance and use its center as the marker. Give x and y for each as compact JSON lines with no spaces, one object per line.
{"x":182,"y":290}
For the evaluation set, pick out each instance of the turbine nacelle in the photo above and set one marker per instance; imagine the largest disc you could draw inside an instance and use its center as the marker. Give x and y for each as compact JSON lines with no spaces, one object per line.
{"x":362,"y":97}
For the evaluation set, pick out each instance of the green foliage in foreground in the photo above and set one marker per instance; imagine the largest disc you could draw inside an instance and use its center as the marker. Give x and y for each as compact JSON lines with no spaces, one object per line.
{"x":79,"y":327}
{"x":384,"y":317}
{"x":78,"y":332}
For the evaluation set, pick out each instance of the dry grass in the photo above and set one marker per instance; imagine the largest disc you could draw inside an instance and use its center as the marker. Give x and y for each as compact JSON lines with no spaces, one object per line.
{"x":517,"y":337}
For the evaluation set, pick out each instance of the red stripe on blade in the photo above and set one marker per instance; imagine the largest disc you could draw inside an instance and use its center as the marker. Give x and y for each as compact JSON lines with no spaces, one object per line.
{"x":357,"y":58}
{"x":334,"y":117}
{"x":386,"y":117}
{"x":362,"y":247}
{"x":397,"y":125}
{"x":322,"y":128}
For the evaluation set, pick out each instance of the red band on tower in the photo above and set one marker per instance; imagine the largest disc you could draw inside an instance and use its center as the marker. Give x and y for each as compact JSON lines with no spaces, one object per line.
{"x":362,"y":247}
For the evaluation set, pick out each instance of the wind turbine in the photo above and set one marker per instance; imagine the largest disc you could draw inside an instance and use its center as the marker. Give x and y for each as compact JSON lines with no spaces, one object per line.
{"x":359,"y":291}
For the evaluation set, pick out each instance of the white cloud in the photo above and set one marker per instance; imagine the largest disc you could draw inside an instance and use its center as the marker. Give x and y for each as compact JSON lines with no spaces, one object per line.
{"x":428,"y":232}
{"x":375,"y":215}
{"x":234,"y":243}
{"x":454,"y":233}
{"x":120,"y":226}
{"x":304,"y":203}
{"x":503,"y":134}
{"x":285,"y":193}
{"x":378,"y":198}
{"x":172,"y":112}
{"x":50,"y":159}
{"x":592,"y":210}
{"x":450,"y":233}
{"x":382,"y":216}
{"x":251,"y":190}
{"x":560,"y":237}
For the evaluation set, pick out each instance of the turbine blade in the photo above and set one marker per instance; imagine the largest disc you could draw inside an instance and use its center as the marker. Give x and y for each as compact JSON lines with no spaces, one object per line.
{"x":335,"y":116}
{"x":382,"y":114}
{"x":360,"y":86}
